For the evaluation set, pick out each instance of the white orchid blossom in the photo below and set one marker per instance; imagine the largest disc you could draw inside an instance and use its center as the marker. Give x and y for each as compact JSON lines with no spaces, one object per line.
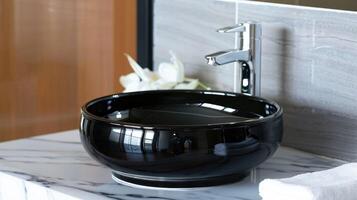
{"x":144,"y":74}
{"x":130,"y":82}
{"x":172,"y":72}
{"x":169,"y":76}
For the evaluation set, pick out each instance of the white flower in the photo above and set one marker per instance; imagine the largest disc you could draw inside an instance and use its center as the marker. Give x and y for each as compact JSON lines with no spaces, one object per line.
{"x":169,"y":76}
{"x":129,"y":79}
{"x":130,"y":82}
{"x":144,"y":74}
{"x":172,"y":72}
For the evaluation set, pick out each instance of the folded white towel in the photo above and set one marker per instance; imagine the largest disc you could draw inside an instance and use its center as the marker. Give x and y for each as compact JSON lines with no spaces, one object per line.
{"x":339,"y":183}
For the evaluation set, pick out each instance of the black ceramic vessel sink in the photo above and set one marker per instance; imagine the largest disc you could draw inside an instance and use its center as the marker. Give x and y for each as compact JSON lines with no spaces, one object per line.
{"x":180,"y":138}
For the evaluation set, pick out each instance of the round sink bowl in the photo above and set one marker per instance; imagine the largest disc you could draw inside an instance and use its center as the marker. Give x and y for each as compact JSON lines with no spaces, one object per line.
{"x":180,"y":138}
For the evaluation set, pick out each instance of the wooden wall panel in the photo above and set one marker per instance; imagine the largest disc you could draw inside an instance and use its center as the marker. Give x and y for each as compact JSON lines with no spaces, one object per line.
{"x":95,"y":49}
{"x":57,"y":54}
{"x":125,"y":40}
{"x":5,"y":55}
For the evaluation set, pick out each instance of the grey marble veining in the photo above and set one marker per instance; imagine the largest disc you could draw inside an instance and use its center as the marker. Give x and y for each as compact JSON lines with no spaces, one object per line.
{"x":188,"y":28}
{"x":57,"y":167}
{"x":308,"y":63}
{"x":309,"y":66}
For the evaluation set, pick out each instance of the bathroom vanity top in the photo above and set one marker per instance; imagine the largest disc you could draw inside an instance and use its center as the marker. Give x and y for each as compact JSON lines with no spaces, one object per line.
{"x":56,"y":166}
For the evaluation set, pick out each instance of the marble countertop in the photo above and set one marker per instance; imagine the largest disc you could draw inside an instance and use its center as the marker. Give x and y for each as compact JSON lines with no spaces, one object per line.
{"x":56,"y":166}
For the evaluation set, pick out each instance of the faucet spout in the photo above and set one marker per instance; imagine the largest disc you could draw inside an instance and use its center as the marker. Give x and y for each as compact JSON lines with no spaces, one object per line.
{"x":247,"y":55}
{"x":228,"y":56}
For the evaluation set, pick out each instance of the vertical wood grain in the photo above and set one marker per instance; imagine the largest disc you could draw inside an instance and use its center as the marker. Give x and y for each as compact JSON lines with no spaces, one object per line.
{"x":95,"y":34}
{"x":54,"y":56}
{"x":6,"y":50}
{"x":125,"y":40}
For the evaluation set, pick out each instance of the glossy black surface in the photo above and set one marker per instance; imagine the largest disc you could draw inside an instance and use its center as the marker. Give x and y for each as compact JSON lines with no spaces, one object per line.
{"x":180,"y":138}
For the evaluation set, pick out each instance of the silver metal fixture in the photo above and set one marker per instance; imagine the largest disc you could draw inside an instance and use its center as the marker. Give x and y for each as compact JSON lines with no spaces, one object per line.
{"x":247,"y":55}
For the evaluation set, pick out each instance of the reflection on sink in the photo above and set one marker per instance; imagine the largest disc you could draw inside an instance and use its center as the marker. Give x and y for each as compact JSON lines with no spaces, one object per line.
{"x":181,"y":138}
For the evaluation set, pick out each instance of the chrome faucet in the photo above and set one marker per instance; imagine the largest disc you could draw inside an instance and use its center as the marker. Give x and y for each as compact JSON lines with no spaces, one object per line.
{"x":247,"y":55}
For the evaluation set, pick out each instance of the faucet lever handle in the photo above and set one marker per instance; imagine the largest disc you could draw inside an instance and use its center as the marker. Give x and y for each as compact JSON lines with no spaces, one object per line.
{"x":232,"y":29}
